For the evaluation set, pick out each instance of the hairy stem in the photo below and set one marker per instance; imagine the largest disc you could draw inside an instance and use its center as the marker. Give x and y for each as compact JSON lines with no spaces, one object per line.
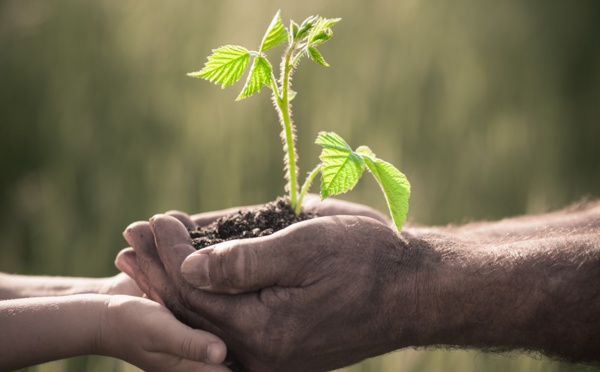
{"x":286,"y":121}
{"x":309,"y":180}
{"x":275,"y":89}
{"x":297,"y":58}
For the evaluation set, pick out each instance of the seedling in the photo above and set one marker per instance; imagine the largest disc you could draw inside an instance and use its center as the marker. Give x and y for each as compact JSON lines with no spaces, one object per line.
{"x":340,"y":166}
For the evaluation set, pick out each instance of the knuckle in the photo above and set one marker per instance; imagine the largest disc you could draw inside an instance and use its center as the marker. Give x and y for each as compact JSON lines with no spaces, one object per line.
{"x":191,"y":350}
{"x":235,"y":268}
{"x":228,"y":276}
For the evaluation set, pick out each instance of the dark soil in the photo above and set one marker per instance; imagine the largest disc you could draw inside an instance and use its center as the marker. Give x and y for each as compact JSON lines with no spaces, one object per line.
{"x":262,"y":221}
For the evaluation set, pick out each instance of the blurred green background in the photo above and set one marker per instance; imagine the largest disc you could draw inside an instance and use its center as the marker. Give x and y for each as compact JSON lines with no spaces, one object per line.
{"x":491,"y":108}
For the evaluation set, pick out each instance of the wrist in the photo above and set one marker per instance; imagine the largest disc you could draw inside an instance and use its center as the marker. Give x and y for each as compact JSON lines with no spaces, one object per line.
{"x":445,"y":293}
{"x":465,"y":297}
{"x":109,"y":326}
{"x":412,"y":291}
{"x":407,"y":275}
{"x":453,"y":313}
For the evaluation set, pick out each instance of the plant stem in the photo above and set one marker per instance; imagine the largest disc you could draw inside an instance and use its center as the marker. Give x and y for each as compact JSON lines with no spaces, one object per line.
{"x":275,"y":89}
{"x":297,"y":58}
{"x":285,"y":110}
{"x":309,"y":180}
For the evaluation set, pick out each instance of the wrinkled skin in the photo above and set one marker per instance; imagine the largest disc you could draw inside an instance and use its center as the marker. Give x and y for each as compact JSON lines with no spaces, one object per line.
{"x":301,"y":314}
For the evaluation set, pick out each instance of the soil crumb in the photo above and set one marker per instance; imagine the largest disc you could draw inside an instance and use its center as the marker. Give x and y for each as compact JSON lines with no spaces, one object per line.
{"x":262,"y":221}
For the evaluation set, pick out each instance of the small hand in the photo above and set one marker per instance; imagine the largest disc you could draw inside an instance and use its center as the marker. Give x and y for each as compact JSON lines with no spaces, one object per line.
{"x":147,"y":335}
{"x":315,"y":296}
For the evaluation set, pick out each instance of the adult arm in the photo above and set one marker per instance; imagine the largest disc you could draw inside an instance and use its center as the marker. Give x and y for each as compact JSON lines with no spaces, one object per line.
{"x":579,"y":217}
{"x":37,"y":330}
{"x":519,"y":292}
{"x":22,"y":286}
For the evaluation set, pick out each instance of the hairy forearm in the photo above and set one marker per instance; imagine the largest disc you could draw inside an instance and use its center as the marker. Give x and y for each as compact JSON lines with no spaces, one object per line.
{"x":37,"y":330}
{"x":577,"y":218}
{"x":22,"y":286}
{"x":536,"y":292}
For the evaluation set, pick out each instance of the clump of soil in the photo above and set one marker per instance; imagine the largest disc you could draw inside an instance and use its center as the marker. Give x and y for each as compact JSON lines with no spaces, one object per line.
{"x":263,"y":221}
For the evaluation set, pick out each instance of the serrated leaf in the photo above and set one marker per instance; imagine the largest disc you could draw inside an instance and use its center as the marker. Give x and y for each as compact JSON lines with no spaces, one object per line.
{"x":364,"y":150}
{"x":225,"y":66}
{"x":332,"y":140}
{"x":316,"y":56}
{"x":321,"y":31}
{"x":275,"y":35}
{"x":294,"y":29}
{"x":395,"y":186}
{"x":259,"y":74}
{"x":324,"y":23}
{"x":305,"y":27}
{"x":341,"y":168}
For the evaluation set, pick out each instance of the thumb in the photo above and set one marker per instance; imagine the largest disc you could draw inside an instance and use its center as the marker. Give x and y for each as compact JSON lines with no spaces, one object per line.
{"x":247,"y":265}
{"x":193,"y":344}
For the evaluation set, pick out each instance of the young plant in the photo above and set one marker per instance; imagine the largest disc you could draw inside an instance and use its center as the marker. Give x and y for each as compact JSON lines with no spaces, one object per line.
{"x":340,"y":166}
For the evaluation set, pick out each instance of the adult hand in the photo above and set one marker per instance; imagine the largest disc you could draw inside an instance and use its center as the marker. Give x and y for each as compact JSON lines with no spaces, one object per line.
{"x":318,"y":295}
{"x":147,"y":335}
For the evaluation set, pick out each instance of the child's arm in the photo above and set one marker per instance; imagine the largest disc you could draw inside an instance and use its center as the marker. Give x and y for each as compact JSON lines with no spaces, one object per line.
{"x":137,"y":330}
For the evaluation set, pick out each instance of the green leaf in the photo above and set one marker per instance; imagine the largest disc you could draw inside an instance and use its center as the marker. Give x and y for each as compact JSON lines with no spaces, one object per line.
{"x":275,"y":35}
{"x":225,"y":66}
{"x":294,"y":29}
{"x":341,"y":167}
{"x":259,"y":74}
{"x":321,"y":31}
{"x":305,"y":27}
{"x":316,"y":56}
{"x":364,"y":150}
{"x":394,"y":184}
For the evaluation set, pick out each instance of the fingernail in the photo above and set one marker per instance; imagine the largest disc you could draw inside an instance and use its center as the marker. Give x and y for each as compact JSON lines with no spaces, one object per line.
{"x":124,"y":266}
{"x":127,"y":235}
{"x":152,"y":219}
{"x":215,"y":353}
{"x":195,"y":270}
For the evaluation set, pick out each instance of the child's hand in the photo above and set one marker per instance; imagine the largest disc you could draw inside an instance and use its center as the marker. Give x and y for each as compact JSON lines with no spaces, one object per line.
{"x":146,"y":334}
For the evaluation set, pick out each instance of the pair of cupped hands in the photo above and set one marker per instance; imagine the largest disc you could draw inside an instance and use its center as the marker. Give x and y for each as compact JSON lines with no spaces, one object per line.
{"x":315,"y":296}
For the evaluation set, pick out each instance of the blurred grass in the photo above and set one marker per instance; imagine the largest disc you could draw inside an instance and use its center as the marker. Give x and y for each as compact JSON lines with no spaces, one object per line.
{"x":490,"y":108}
